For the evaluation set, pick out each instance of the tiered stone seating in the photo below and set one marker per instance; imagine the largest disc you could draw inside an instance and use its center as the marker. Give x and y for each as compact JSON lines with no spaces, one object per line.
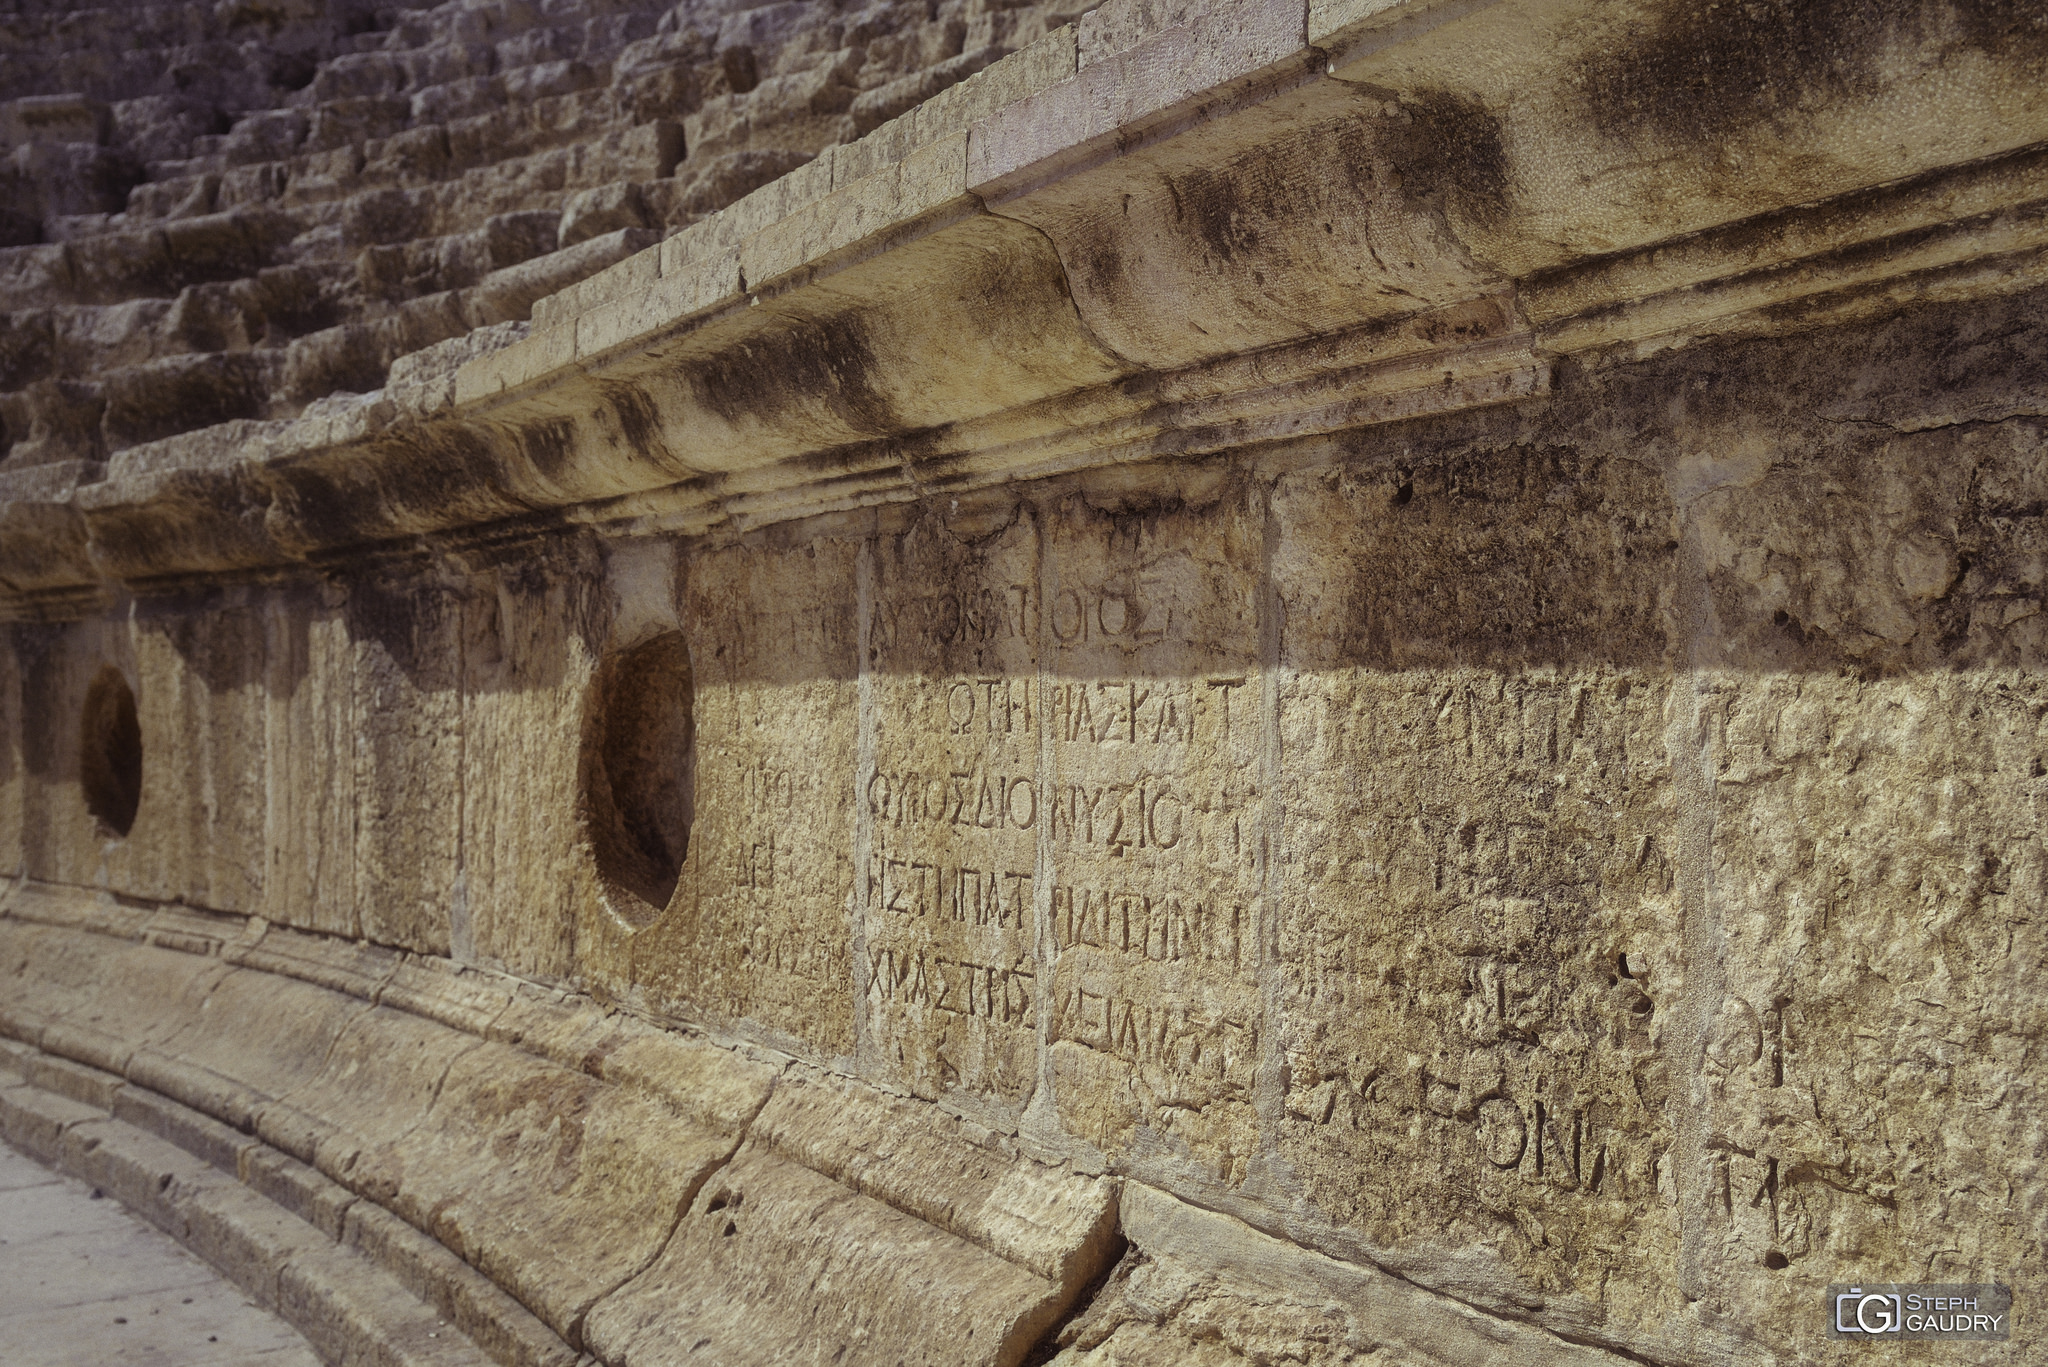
{"x":222,"y":212}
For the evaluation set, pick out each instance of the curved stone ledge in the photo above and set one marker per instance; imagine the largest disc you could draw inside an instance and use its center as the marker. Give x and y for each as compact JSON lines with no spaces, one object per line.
{"x":562,"y":1150}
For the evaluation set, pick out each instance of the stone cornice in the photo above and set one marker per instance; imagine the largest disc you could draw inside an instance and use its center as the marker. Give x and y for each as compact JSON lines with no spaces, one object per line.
{"x":1263,"y":222}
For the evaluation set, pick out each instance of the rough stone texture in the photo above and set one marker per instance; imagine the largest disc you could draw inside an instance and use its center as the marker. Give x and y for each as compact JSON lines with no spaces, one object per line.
{"x":227,"y":212}
{"x":1265,"y":683}
{"x":87,"y":1282}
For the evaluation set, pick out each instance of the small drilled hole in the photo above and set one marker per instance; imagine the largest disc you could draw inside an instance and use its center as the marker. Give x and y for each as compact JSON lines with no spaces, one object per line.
{"x":110,"y":753}
{"x":639,"y":775}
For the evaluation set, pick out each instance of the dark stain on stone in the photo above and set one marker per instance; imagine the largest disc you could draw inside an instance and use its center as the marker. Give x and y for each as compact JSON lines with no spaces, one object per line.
{"x":549,"y":445}
{"x":1701,"y":73}
{"x":1214,"y":205}
{"x":639,"y":423}
{"x":1450,"y":152}
{"x":830,"y":362}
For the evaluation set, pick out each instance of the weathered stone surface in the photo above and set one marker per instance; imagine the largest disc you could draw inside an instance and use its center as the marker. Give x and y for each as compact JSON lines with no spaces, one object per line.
{"x":1174,"y":697}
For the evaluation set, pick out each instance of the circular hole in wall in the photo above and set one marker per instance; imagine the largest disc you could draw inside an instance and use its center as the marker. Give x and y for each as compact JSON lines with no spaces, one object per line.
{"x":639,"y":775}
{"x":110,"y":752}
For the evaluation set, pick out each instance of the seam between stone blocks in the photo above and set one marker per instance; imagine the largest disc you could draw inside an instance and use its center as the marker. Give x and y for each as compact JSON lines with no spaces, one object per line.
{"x":325,"y":1298}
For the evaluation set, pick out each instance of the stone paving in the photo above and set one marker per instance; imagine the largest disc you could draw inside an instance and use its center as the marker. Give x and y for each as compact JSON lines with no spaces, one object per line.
{"x":84,"y":1283}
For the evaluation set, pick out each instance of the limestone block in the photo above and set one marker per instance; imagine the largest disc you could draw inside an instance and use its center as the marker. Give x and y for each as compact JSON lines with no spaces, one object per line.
{"x":930,"y":180}
{"x":351,"y":1119}
{"x":138,"y":996}
{"x":1479,"y":825}
{"x":49,"y":973}
{"x":309,"y":794}
{"x":947,"y":891}
{"x":138,"y":1170}
{"x":699,"y":287}
{"x":1123,"y":94}
{"x":774,"y":1262}
{"x":257,"y":1037}
{"x":557,"y":1186}
{"x":528,"y":622}
{"x":1199,"y":1287}
{"x":1152,"y":793}
{"x":200,"y":683}
{"x":945,"y":1171}
{"x":354,"y":968}
{"x":859,"y":358}
{"x":34,"y":1120}
{"x":1918,"y":101}
{"x":1875,"y":842}
{"x":197,"y":1134}
{"x":407,"y":706}
{"x":446,"y":991}
{"x":1229,"y":239}
{"x":757,"y":929}
{"x":463,"y":1298}
{"x":63,"y":841}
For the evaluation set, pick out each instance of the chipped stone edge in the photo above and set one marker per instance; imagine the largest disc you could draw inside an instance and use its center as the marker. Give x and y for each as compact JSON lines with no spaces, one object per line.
{"x":238,"y":1204}
{"x":436,"y":991}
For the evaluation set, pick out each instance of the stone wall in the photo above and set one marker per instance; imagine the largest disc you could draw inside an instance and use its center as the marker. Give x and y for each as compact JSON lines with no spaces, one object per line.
{"x":1272,"y":683}
{"x":221,"y":212}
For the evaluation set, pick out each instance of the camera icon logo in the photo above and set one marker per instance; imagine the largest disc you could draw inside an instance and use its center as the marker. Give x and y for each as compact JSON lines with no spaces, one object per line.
{"x":1873,"y":1312}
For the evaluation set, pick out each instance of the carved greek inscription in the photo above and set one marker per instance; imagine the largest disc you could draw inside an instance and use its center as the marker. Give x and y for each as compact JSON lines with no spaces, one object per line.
{"x":1000,"y":994}
{"x":1175,"y":1042}
{"x":978,"y":615}
{"x":911,"y":887}
{"x":1165,"y":928}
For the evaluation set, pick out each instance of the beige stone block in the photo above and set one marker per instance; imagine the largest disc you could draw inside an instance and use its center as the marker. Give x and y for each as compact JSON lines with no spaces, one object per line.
{"x":1041,"y":65}
{"x":144,"y":1173}
{"x":556,"y":1185}
{"x":258,"y":1037}
{"x":882,"y":148}
{"x":34,"y":1120}
{"x":771,"y":203}
{"x":200,"y":1135}
{"x":49,"y":971}
{"x":354,"y":968}
{"x":352,"y":1118}
{"x":139,"y":995}
{"x":544,"y":352}
{"x":1890,"y":806}
{"x":1337,"y":23}
{"x":712,"y":1087}
{"x":756,"y":936}
{"x":948,"y":890}
{"x":927,"y":180}
{"x":696,"y":287}
{"x":1201,"y":1287}
{"x":1129,"y":90}
{"x":1152,"y":796}
{"x":347,"y":1308}
{"x":461,"y":1296}
{"x":630,"y":276}
{"x":951,"y":1173}
{"x":408,"y":758}
{"x":1479,"y":818}
{"x":62,"y":842}
{"x":740,"y":1278}
{"x":78,"y":1081}
{"x":309,"y":791}
{"x":200,"y":825}
{"x":528,"y":654}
